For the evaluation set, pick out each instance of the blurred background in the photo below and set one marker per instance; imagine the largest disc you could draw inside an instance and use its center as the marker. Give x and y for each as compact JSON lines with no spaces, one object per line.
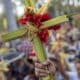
{"x":11,"y":11}
{"x":57,"y":7}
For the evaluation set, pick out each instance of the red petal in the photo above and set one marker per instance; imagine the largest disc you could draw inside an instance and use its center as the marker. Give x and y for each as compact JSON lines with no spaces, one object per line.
{"x":56,"y":27}
{"x":29,"y":17}
{"x":43,"y":35}
{"x":22,"y":21}
{"x":45,"y":17}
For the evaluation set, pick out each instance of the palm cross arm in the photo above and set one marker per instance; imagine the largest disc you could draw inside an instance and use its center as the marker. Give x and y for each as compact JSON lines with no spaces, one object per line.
{"x":23,"y":31}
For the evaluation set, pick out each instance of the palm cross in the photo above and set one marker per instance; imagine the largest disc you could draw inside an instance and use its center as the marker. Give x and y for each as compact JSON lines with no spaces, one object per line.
{"x":32,"y":30}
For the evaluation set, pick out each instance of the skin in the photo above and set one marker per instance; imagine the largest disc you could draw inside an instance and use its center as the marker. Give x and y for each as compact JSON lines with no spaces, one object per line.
{"x":41,"y":71}
{"x":40,"y":68}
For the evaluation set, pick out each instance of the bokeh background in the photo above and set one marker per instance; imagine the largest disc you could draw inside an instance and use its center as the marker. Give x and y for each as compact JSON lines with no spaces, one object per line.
{"x":12,"y":10}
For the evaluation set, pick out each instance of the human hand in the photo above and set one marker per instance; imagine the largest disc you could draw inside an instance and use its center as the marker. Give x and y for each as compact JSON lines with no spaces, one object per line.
{"x":42,"y":69}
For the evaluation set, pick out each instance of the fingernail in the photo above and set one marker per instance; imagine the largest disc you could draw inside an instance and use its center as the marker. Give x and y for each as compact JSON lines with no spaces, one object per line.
{"x":44,"y":63}
{"x":48,"y":72}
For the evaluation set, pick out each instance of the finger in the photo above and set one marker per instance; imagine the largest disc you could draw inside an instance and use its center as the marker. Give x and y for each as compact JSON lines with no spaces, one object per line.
{"x":52,"y":66}
{"x":43,"y":75}
{"x":52,"y":69}
{"x":43,"y":66}
{"x":52,"y":63}
{"x":46,"y":63}
{"x":42,"y":63}
{"x":39,"y":65}
{"x":41,"y":70}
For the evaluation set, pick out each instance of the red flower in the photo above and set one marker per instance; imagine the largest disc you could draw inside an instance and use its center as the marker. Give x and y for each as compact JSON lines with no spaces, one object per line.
{"x":56,"y":27}
{"x":22,"y":21}
{"x":29,"y":17}
{"x":26,"y":18}
{"x":43,"y":35}
{"x":37,"y":20}
{"x":45,"y":17}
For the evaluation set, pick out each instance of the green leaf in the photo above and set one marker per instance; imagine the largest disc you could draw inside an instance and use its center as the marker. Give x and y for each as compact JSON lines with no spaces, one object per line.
{"x":14,"y":35}
{"x":40,"y":52}
{"x":39,"y":49}
{"x":27,"y":3}
{"x":55,"y":21}
{"x":32,"y":3}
